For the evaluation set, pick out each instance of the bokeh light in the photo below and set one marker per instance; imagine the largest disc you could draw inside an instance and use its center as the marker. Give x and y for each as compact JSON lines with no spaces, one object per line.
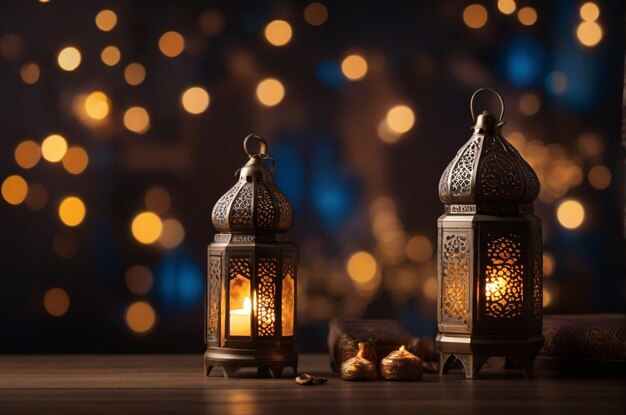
{"x":53,"y":148}
{"x":137,"y":120}
{"x":547,"y":297}
{"x":195,"y":100}
{"x":354,"y":67}
{"x":315,"y":14}
{"x":69,"y":58}
{"x":134,"y":73}
{"x":56,"y":302}
{"x":429,"y":288}
{"x":599,"y":177}
{"x":97,"y":105}
{"x":549,"y":265}
{"x":507,"y":6}
{"x":211,"y":22}
{"x":400,"y":119}
{"x":386,"y":134}
{"x":106,"y":20}
{"x":589,"y":12}
{"x":27,"y":154}
{"x":37,"y":197}
{"x":146,"y":227}
{"x":278,"y":32}
{"x":475,"y":16}
{"x":570,"y":214}
{"x":270,"y":92}
{"x":75,"y":160}
{"x":419,"y":249}
{"x":14,"y":189}
{"x":527,"y":16}
{"x":556,"y":82}
{"x":171,"y":44}
{"x":29,"y":72}
{"x":140,"y":317}
{"x":110,"y":55}
{"x":172,"y":235}
{"x":139,"y":279}
{"x":529,"y":104}
{"x":361,"y":267}
{"x":589,"y":33}
{"x":158,"y":200}
{"x":72,"y":211}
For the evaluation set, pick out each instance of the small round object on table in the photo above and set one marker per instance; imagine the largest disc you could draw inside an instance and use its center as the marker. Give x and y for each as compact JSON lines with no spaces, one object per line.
{"x":401,"y":365}
{"x":358,"y":367}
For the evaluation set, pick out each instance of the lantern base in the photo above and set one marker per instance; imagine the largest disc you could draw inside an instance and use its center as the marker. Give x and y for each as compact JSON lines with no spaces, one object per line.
{"x":473,"y":351}
{"x":269,"y":362}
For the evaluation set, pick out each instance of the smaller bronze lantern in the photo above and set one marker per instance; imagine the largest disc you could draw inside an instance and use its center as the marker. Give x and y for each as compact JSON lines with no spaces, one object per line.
{"x":490,"y":253}
{"x":251,"y":281}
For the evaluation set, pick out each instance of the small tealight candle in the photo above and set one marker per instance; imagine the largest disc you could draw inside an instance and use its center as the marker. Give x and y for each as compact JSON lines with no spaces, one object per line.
{"x":358,"y":367}
{"x":401,"y":365}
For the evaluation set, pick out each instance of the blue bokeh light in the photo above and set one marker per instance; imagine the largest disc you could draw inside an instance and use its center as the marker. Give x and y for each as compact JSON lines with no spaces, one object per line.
{"x":179,"y":281}
{"x":524,"y":62}
{"x":329,"y":73}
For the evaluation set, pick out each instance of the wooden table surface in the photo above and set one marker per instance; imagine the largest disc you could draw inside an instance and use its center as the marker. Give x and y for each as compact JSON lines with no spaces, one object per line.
{"x":148,"y":384}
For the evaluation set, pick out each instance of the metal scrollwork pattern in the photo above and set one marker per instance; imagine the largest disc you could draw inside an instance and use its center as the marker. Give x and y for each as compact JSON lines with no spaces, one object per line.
{"x":222,"y":207}
{"x":239,"y":266}
{"x":455,"y":274}
{"x":265,"y":216}
{"x":461,"y":180}
{"x":504,"y":276}
{"x":214,"y":297}
{"x":537,"y":276}
{"x":499,"y":178}
{"x":443,"y":183}
{"x":266,"y":316}
{"x":241,"y":210}
{"x":284,"y":208}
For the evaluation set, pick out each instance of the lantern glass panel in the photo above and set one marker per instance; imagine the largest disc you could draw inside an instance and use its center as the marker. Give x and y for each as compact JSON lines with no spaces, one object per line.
{"x":266,"y":296}
{"x":456,"y":268}
{"x":504,"y":277}
{"x":287,"y":301}
{"x":240,"y":305}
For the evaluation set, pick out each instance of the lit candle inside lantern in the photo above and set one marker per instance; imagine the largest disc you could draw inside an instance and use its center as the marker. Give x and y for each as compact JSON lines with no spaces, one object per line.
{"x":240,"y":319}
{"x":495,"y":287}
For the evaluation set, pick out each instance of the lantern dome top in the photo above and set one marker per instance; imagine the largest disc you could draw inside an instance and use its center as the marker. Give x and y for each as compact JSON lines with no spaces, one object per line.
{"x":254,"y":203}
{"x":488,"y":172}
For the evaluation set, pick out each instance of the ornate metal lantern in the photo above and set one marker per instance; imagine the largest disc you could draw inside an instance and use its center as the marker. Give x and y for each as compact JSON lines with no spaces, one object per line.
{"x":251,"y":281}
{"x":490,"y":253}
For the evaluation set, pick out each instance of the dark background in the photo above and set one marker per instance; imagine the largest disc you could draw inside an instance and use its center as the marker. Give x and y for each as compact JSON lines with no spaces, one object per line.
{"x":351,"y":190}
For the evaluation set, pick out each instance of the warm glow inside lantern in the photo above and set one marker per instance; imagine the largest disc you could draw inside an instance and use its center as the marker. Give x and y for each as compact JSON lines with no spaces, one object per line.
{"x":490,"y":253}
{"x":251,"y":281}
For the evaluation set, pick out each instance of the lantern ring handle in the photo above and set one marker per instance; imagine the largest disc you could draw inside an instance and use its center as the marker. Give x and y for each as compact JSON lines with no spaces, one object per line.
{"x":262,"y":145}
{"x":490,"y":90}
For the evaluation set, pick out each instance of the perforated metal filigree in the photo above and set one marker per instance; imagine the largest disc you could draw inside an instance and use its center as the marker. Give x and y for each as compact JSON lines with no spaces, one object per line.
{"x":284,"y":208}
{"x":265,"y":214}
{"x":214,"y":297}
{"x":267,"y":270}
{"x":443,"y":183}
{"x":455,"y":275}
{"x":222,"y":207}
{"x":461,"y":180}
{"x":239,"y":266}
{"x":537,"y":276}
{"x":241,"y":210}
{"x":504,"y":276}
{"x":500,"y":179}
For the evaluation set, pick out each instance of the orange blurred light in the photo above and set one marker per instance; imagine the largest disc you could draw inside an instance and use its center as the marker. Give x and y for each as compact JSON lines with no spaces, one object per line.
{"x":56,"y":302}
{"x":106,"y":20}
{"x":315,"y":14}
{"x":527,"y":16}
{"x":171,"y":44}
{"x":76,"y":160}
{"x":30,"y":73}
{"x":53,"y":148}
{"x":278,"y":32}
{"x":137,"y":120}
{"x":475,"y":16}
{"x":72,"y":211}
{"x":14,"y":189}
{"x":195,"y":100}
{"x":146,"y":227}
{"x":110,"y":55}
{"x":69,"y":58}
{"x":97,"y":105}
{"x":354,"y":67}
{"x":140,"y":317}
{"x":270,"y":92}
{"x":27,"y":154}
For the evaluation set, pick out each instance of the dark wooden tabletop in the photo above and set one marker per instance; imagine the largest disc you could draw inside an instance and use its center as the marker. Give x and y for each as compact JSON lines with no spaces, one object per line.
{"x":148,"y":384}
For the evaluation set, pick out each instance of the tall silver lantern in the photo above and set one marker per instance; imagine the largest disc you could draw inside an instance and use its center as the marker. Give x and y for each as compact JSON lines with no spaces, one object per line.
{"x":251,"y":279}
{"x":489,"y":253}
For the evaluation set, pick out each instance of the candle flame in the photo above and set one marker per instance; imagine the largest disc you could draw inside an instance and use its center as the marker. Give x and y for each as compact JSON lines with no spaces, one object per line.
{"x":361,"y":349}
{"x":247,"y":305}
{"x":401,"y":349}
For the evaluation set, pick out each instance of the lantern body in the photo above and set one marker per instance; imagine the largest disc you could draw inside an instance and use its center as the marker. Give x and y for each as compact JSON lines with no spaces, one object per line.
{"x":251,"y":279}
{"x":490,"y":255}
